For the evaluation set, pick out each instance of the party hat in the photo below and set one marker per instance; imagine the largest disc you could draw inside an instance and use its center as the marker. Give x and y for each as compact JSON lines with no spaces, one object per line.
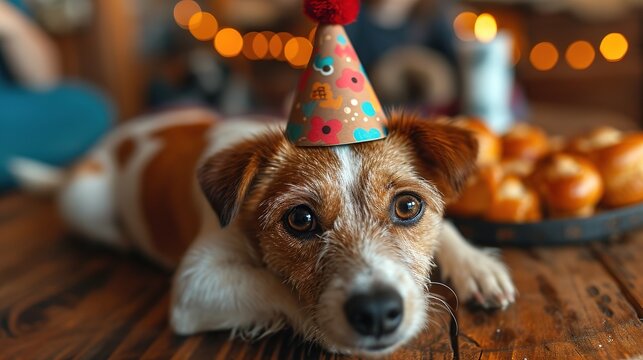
{"x":335,"y":103}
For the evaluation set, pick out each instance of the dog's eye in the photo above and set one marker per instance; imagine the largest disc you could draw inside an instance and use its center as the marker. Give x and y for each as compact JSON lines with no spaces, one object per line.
{"x":406,"y":209}
{"x":301,"y":221}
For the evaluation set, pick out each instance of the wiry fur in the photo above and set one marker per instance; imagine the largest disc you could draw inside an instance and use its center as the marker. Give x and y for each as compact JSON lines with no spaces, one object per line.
{"x":245,"y":272}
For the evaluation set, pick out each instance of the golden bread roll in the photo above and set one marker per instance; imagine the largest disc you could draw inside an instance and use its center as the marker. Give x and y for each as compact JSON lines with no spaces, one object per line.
{"x":514,"y":202}
{"x":526,"y":142}
{"x":596,"y":139}
{"x":621,"y":167}
{"x":478,"y":193}
{"x":489,"y":144}
{"x":570,"y":185}
{"x":518,"y":167}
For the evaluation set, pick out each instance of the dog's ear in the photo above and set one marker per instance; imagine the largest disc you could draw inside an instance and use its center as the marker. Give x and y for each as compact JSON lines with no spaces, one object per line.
{"x":227,"y":177}
{"x":445,"y":154}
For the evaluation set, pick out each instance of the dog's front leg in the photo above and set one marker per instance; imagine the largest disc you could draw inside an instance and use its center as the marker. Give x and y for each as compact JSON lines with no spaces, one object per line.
{"x":218,"y":287}
{"x":474,"y":273}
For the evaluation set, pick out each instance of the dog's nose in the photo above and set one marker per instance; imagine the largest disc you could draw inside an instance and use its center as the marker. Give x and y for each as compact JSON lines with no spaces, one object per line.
{"x":376,"y":313}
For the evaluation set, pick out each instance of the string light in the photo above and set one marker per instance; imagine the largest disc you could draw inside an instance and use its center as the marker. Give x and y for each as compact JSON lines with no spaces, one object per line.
{"x":268,"y":35}
{"x":228,"y":42}
{"x":544,"y":56}
{"x":183,"y":12}
{"x":248,"y":42}
{"x":580,"y":55}
{"x":298,"y":51}
{"x":203,"y":26}
{"x":464,"y":25}
{"x":614,"y":47}
{"x":485,"y":28}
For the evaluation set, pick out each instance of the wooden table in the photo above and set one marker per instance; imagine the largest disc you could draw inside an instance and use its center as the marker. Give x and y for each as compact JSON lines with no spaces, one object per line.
{"x":62,"y":298}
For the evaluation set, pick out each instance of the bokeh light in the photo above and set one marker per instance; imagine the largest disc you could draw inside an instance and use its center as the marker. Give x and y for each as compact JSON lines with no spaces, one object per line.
{"x":284,"y":37}
{"x":516,"y":54}
{"x":614,"y":47}
{"x":544,"y":56}
{"x":203,"y":26}
{"x":183,"y":12}
{"x":248,"y":51}
{"x":268,"y":35}
{"x":312,"y":34}
{"x":464,"y":25}
{"x":485,"y":28}
{"x":228,"y":42}
{"x":580,"y":55}
{"x":260,"y":46}
{"x":298,"y":51}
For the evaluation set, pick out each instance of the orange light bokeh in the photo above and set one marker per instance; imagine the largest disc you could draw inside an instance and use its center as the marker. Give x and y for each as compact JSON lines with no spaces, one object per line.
{"x":580,"y":55}
{"x":228,"y":42}
{"x":464,"y":25}
{"x":260,"y":46}
{"x":203,"y":26}
{"x":614,"y":47}
{"x":298,"y":51}
{"x":184,"y":10}
{"x":544,"y":56}
{"x":312,"y":34}
{"x":268,"y":35}
{"x":248,"y":41}
{"x":485,"y":28}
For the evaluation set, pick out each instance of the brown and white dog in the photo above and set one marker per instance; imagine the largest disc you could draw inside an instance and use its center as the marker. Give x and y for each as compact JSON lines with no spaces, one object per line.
{"x":337,"y":242}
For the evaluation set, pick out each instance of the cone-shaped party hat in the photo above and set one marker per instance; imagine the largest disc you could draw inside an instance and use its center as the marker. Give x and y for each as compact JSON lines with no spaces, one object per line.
{"x":334,"y":103}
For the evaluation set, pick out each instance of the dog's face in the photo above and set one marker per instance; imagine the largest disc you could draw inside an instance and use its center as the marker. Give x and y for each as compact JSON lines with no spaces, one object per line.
{"x":350,"y":229}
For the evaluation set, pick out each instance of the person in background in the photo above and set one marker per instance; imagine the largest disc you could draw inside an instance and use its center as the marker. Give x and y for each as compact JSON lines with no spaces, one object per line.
{"x":41,"y":117}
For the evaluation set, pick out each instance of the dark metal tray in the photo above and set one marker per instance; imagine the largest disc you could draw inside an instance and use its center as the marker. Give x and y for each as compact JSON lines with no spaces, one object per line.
{"x":604,"y":225}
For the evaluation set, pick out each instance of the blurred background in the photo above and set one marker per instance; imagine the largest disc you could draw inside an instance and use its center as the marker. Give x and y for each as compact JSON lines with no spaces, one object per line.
{"x":551,"y":62}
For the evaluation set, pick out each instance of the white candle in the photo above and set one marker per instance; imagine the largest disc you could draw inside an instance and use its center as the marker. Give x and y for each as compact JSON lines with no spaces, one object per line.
{"x":488,"y":80}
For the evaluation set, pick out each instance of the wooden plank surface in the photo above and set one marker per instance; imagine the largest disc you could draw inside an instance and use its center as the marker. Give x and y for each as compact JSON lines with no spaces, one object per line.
{"x":569,"y":307}
{"x":63,"y":298}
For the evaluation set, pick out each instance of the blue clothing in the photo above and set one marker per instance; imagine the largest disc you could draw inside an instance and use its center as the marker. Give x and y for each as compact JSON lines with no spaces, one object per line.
{"x":54,"y":126}
{"x":371,"y":41}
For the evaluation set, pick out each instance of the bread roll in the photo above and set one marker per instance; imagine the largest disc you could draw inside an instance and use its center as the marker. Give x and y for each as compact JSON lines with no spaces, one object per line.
{"x":570,"y":185}
{"x":596,"y":139}
{"x":477,"y":195}
{"x":489,"y":144}
{"x":514,"y":202}
{"x":518,"y":167}
{"x":621,"y":167}
{"x":525,"y":142}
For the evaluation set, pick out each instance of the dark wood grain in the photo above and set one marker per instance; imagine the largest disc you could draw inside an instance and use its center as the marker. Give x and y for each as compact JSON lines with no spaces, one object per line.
{"x":624,"y":260}
{"x":63,"y":298}
{"x":569,"y":307}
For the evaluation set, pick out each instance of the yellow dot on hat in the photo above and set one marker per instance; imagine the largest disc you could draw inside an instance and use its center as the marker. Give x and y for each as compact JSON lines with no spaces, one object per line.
{"x":354,"y":102}
{"x":356,"y":114}
{"x":347,"y":110}
{"x":365,"y":119}
{"x":352,"y":119}
{"x":348,"y":59}
{"x":345,"y":120}
{"x":378,"y":119}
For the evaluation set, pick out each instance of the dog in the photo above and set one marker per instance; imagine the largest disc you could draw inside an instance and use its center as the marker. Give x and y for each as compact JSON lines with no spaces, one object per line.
{"x":337,"y":242}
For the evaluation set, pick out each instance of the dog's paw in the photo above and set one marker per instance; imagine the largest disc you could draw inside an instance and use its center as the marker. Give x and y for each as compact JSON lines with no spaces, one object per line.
{"x":480,"y":276}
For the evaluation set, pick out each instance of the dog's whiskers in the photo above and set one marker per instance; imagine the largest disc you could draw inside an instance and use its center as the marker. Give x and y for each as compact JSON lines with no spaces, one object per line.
{"x":455,"y":296}
{"x":448,"y":309}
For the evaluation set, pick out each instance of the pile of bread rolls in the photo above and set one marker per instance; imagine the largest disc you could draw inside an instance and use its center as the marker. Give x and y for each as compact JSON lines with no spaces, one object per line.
{"x":525,"y":175}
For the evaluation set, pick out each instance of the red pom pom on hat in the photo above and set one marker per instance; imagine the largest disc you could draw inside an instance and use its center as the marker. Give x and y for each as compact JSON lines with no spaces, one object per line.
{"x":336,"y":12}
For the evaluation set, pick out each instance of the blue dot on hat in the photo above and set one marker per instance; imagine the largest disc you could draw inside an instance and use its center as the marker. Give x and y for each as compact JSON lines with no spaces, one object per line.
{"x":368,"y":108}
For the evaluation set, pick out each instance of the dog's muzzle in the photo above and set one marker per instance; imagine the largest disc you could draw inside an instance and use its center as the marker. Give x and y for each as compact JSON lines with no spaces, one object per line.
{"x":377,"y":312}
